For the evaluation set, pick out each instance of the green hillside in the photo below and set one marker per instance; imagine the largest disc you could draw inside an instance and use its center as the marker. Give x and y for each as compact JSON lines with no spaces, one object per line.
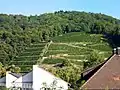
{"x":79,"y":40}
{"x":29,"y":57}
{"x":76,"y":51}
{"x":75,"y":47}
{"x":18,"y":31}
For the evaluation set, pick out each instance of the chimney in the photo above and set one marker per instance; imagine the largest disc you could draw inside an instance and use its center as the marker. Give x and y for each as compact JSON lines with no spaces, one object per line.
{"x":118,"y":50}
{"x":114,"y":51}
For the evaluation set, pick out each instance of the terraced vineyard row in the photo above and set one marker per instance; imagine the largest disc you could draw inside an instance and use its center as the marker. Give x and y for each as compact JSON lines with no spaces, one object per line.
{"x":29,"y":56}
{"x":72,"y":46}
{"x":78,"y":37}
{"x":76,"y":47}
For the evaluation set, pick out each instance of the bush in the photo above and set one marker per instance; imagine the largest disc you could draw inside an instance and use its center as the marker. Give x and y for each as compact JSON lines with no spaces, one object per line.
{"x":93,"y":59}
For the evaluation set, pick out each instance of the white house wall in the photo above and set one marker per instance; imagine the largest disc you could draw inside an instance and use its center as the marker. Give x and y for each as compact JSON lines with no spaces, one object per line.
{"x":34,"y":79}
{"x":41,"y":76}
{"x":9,"y":80}
{"x":18,"y":82}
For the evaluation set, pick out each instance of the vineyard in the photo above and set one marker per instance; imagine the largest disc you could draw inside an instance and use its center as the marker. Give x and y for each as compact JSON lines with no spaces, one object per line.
{"x":66,"y":56}
{"x":76,"y":47}
{"x":66,"y":43}
{"x":29,"y":56}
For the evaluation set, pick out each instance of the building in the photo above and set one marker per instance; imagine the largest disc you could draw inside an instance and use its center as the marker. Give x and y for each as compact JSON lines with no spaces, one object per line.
{"x":10,"y":78}
{"x":107,"y":76}
{"x":42,"y":78}
{"x":3,"y":81}
{"x":37,"y":79}
{"x":25,"y":81}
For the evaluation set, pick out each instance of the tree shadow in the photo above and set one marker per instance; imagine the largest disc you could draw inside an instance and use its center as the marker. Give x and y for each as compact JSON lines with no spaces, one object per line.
{"x":113,"y":40}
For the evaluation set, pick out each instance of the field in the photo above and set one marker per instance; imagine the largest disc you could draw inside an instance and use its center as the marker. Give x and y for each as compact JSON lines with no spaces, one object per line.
{"x":75,"y":47}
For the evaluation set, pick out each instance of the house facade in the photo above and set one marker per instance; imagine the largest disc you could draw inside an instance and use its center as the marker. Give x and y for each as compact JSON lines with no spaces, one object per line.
{"x":37,"y":79}
{"x":42,"y":78}
{"x":10,"y":78}
{"x":25,"y":81}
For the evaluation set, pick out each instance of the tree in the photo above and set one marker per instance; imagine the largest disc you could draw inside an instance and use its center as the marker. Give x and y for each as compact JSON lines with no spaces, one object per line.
{"x":93,"y":59}
{"x":69,"y":72}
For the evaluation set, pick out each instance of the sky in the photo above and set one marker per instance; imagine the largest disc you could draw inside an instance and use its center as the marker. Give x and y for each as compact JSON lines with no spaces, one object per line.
{"x":37,"y":7}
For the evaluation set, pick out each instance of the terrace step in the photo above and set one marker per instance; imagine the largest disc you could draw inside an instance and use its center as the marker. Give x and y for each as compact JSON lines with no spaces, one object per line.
{"x":38,"y":44}
{"x":29,"y":56}
{"x":26,"y":58}
{"x":34,"y":48}
{"x":30,"y":53}
{"x":24,"y":62}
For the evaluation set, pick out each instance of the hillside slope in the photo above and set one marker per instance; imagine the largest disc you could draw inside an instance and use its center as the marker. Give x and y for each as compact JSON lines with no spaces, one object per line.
{"x":18,"y":31}
{"x":30,"y":56}
{"x":76,"y":47}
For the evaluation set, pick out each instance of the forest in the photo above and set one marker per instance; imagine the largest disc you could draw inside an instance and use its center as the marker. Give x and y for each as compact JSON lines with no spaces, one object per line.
{"x":19,"y":31}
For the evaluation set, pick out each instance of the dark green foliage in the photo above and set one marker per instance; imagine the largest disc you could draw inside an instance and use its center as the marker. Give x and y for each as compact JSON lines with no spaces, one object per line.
{"x":3,"y":88}
{"x":94,"y":58}
{"x":21,"y":36}
{"x":18,"y":31}
{"x":69,"y":73}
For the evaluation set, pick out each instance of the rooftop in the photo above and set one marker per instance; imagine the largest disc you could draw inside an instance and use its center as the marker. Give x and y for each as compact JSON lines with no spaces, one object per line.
{"x":108,"y":76}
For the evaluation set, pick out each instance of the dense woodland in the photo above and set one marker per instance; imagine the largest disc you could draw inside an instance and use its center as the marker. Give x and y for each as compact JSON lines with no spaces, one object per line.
{"x":18,"y":31}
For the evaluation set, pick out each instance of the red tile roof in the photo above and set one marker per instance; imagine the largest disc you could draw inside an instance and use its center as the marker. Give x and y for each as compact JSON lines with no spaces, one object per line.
{"x":108,"y":76}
